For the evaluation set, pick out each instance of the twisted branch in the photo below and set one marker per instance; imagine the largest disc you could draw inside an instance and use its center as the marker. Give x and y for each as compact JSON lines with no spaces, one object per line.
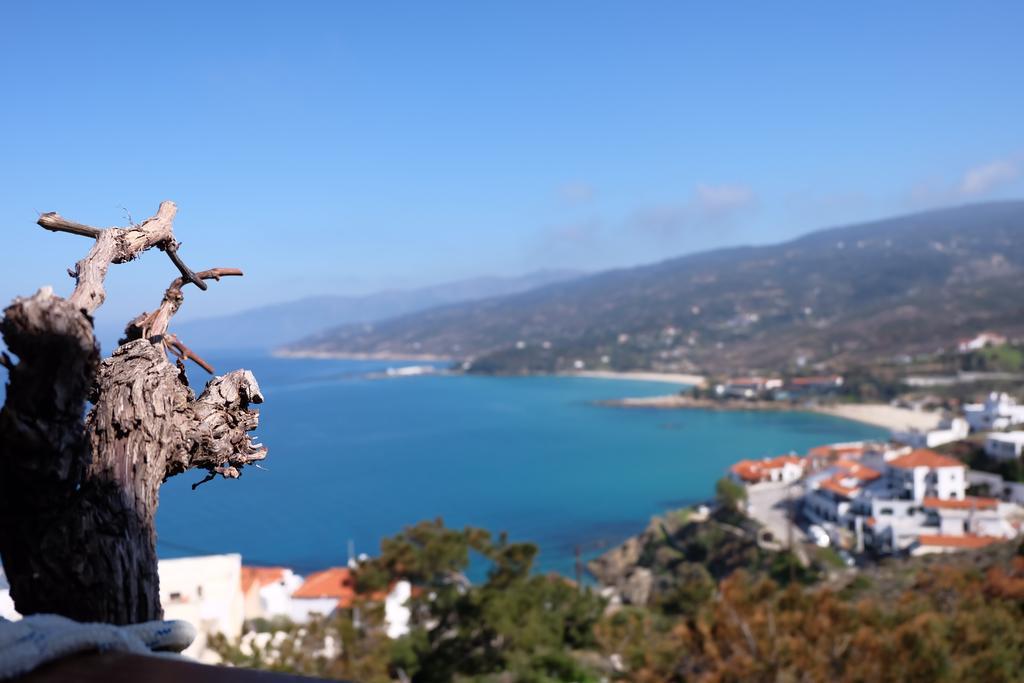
{"x":78,"y":498}
{"x":118,"y":245}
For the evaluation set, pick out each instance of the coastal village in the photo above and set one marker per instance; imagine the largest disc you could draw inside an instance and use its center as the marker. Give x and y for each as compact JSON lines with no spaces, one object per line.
{"x":927,"y":489}
{"x":937,"y":485}
{"x":909,"y":495}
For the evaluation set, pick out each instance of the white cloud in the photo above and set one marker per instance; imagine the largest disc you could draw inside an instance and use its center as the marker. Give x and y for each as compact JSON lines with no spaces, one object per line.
{"x":983,"y":179}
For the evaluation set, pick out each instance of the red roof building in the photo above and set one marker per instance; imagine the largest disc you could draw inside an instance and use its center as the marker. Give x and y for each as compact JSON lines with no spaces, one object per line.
{"x":968,"y":503}
{"x":259,"y":577}
{"x":336,"y":582}
{"x":967,"y":542}
{"x":923,"y":457}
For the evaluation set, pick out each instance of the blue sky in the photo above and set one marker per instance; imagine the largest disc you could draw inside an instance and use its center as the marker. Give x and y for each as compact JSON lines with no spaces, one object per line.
{"x":342,"y":148}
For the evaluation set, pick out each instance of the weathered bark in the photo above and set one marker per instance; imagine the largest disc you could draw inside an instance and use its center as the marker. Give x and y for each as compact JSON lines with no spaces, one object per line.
{"x":78,"y":497}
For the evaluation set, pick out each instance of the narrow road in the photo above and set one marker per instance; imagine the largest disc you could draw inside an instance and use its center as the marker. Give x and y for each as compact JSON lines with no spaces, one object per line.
{"x":769,"y":504}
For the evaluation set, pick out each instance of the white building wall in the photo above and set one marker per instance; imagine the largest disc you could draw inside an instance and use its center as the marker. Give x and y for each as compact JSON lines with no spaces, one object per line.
{"x":302,"y":609}
{"x":1005,"y":446}
{"x":396,"y":612}
{"x":276,"y":598}
{"x":206,"y":591}
{"x":951,"y":483}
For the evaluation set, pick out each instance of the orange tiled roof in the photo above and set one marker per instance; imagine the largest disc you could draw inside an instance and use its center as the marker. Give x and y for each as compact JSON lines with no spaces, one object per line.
{"x":968,"y":503}
{"x":336,"y":582}
{"x":748,"y":470}
{"x":260,"y":576}
{"x":969,"y":541}
{"x":863,"y":472}
{"x":835,"y":487}
{"x":820,"y":379}
{"x":755,"y":470}
{"x":836,"y":450}
{"x":922,"y":457}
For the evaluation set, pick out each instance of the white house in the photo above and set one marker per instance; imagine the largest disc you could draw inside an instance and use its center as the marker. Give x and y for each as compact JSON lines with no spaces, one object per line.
{"x":784,"y":468}
{"x":322,"y":593}
{"x":980,"y":341}
{"x":999,"y":411}
{"x":832,"y":493}
{"x":948,"y":431}
{"x":924,"y":473}
{"x":205,"y":591}
{"x":748,"y":387}
{"x":267,"y":591}
{"x":1004,"y":445}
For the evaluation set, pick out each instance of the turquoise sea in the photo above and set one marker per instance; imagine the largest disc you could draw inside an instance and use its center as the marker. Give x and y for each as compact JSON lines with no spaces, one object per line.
{"x":357,"y":459}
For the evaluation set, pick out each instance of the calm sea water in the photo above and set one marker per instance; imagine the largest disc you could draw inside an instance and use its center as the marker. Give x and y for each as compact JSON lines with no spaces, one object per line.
{"x":357,"y":459}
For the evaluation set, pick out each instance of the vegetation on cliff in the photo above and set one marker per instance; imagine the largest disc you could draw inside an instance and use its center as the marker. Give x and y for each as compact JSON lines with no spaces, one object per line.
{"x":931,"y":619}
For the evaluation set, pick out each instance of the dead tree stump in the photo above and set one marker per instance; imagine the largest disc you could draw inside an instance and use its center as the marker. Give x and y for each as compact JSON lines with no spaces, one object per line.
{"x":79,"y":492}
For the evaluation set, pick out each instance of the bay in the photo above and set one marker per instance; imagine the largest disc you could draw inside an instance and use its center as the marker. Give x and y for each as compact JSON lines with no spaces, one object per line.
{"x":354,"y":458}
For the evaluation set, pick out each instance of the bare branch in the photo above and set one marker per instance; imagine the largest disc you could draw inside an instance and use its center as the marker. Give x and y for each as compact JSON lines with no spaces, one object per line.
{"x":155,"y":324}
{"x":54,"y":222}
{"x":118,"y":245}
{"x":186,"y":352}
{"x":171,"y":248}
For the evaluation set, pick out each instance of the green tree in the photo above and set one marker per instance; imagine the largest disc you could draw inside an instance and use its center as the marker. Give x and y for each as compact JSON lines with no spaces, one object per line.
{"x":730,"y":494}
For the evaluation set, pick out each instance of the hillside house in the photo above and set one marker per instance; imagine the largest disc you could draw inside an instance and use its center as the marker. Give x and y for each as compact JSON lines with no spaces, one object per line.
{"x":948,"y":431}
{"x":322,"y":593}
{"x":267,"y":591}
{"x":1004,"y":445}
{"x":980,"y":341}
{"x":831,"y":493}
{"x":205,"y":591}
{"x":924,"y":473}
{"x":782,"y":469}
{"x":928,"y":544}
{"x":999,"y":411}
{"x":748,"y":388}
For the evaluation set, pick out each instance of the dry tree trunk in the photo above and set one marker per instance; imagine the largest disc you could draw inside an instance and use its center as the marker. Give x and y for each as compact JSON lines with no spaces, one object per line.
{"x":78,"y":493}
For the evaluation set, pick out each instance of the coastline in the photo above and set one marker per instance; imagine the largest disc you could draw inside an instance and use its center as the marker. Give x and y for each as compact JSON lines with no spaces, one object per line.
{"x":874,"y":414}
{"x":641,"y":376}
{"x":331,"y":355}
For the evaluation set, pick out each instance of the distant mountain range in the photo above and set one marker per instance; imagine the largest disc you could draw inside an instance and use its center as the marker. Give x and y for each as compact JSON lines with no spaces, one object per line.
{"x":902,"y":285}
{"x":271,"y":326}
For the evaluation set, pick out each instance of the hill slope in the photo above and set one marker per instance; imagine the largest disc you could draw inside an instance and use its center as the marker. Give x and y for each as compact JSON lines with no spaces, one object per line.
{"x":900,"y":285}
{"x":271,"y":326}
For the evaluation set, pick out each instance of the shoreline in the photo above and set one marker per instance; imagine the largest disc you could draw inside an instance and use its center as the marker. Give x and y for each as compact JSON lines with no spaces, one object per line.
{"x":639,"y":376}
{"x":331,"y":355}
{"x":874,"y":414}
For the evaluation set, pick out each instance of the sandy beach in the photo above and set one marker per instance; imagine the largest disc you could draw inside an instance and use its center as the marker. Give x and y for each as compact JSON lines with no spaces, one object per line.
{"x":666,"y":377}
{"x":883,"y":415}
{"x":877,"y":414}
